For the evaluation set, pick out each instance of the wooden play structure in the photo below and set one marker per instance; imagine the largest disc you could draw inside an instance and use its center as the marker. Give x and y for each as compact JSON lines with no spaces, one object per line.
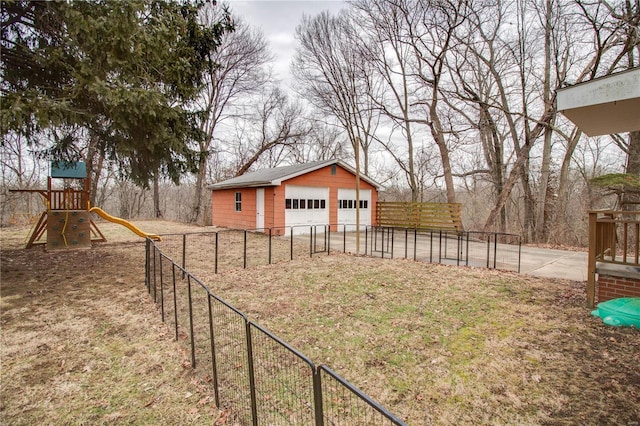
{"x":67,"y":221}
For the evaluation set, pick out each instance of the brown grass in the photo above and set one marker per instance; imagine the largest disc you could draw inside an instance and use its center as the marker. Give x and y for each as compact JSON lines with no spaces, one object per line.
{"x":83,"y":343}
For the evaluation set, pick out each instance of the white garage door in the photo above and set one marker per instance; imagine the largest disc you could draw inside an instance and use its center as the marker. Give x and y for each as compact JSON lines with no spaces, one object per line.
{"x":347,"y":207}
{"x":306,"y":206}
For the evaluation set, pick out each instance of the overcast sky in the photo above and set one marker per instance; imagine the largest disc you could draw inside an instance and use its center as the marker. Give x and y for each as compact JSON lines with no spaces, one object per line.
{"x":278,"y":21}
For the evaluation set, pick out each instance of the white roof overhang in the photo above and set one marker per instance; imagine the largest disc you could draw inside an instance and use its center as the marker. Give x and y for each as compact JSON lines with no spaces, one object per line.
{"x":605,"y":105}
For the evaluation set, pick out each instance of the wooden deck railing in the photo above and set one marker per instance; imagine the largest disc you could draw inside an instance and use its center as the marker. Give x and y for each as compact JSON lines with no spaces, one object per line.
{"x":614,"y":237}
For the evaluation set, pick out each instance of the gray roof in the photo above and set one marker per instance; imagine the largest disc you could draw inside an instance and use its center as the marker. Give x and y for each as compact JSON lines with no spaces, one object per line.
{"x":275,"y":176}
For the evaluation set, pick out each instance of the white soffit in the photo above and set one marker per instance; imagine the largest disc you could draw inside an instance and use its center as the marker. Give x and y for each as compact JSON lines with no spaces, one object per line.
{"x":604,"y":105}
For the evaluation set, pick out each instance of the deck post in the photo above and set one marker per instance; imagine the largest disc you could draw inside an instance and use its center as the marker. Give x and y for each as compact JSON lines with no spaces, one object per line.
{"x":591,"y":260}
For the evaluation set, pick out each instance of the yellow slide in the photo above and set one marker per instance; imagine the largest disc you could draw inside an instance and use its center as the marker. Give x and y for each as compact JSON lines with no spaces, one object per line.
{"x":123,"y":222}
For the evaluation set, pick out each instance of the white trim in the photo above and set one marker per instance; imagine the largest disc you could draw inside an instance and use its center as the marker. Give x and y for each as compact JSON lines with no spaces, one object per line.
{"x":259,"y":208}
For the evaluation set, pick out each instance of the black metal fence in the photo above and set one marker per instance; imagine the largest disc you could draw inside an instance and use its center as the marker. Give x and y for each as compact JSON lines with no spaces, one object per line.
{"x":491,"y":250}
{"x":260,"y":378}
{"x":231,"y":249}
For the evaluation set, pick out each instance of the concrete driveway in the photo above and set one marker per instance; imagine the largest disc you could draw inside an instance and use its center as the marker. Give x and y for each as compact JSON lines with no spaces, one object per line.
{"x":542,"y":262}
{"x":551,"y":263}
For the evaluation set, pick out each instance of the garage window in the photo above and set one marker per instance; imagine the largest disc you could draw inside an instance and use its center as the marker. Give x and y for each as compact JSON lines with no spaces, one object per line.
{"x":238,"y":201}
{"x":351,"y":204}
{"x":303,"y":204}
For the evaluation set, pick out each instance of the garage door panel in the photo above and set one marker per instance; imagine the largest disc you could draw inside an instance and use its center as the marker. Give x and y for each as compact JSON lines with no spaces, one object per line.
{"x":347,"y":206}
{"x":306,"y":205}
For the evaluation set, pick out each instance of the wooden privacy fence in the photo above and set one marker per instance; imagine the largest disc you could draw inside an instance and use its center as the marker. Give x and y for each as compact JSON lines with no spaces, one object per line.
{"x":419,"y":215}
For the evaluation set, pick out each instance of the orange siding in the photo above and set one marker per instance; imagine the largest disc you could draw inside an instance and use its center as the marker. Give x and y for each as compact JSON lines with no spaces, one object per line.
{"x":278,"y":207}
{"x":223,"y":201}
{"x":274,"y":209}
{"x":224,"y":214}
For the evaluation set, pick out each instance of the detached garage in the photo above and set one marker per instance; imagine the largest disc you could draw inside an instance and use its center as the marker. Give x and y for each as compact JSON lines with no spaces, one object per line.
{"x":299,"y":196}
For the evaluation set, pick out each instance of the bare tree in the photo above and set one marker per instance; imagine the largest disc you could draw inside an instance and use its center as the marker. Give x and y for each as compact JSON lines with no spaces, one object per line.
{"x":432,"y":28}
{"x":241,"y":71}
{"x":323,"y":142}
{"x":132,"y":199}
{"x":385,"y":48}
{"x":329,"y":68}
{"x":269,"y":135}
{"x":19,"y":169}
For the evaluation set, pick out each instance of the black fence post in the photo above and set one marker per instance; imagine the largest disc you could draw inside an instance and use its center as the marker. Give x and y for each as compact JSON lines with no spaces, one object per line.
{"x":252,"y":377}
{"x":488,"y":250}
{"x":374,"y":239}
{"x":291,"y":243}
{"x":175,"y":299}
{"x":215,"y":261}
{"x":467,"y":249}
{"x":317,"y":397}
{"x":344,"y":239}
{"x":366,"y":239}
{"x":519,"y":252}
{"x":147,"y":274}
{"x":193,"y":343}
{"x":446,"y":244}
{"x":406,"y":242}
{"x":269,"y":246}
{"x":184,"y":255}
{"x":415,"y":244}
{"x":161,"y":290}
{"x":393,"y":235}
{"x":214,"y":366}
{"x":311,"y":241}
{"x":495,"y":249}
{"x":155,"y":273}
{"x":244,"y":251}
{"x":327,"y":238}
{"x":152,"y":265}
{"x":431,"y":246}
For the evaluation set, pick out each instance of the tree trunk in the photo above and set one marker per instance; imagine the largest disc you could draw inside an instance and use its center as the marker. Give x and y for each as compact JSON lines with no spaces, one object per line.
{"x":94,"y":164}
{"x":541,"y":229}
{"x":518,"y":166}
{"x":436,"y":132}
{"x":633,"y":159}
{"x":156,"y":196}
{"x":197,"y":205}
{"x":529,"y":219}
{"x":561,"y":224}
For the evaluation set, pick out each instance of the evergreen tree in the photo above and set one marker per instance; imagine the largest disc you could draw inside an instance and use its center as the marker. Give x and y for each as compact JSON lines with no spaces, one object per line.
{"x":117,"y":72}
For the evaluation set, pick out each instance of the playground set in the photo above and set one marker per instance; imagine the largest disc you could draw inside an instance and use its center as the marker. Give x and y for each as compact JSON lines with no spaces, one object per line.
{"x":67,"y":220}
